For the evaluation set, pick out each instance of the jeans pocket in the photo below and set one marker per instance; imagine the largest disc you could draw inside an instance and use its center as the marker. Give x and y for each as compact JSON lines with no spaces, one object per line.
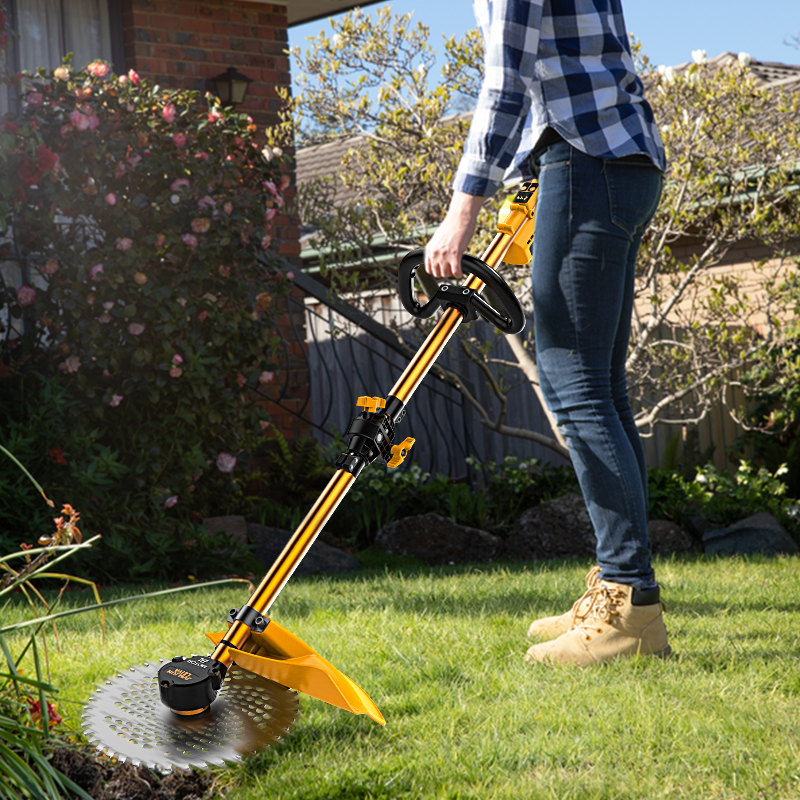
{"x":634,"y":189}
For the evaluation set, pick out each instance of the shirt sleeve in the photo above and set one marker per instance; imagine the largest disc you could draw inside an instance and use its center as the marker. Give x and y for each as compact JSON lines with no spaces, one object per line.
{"x":510,"y":30}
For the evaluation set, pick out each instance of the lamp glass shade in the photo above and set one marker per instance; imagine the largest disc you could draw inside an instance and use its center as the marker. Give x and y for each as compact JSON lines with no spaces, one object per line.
{"x":231,"y":87}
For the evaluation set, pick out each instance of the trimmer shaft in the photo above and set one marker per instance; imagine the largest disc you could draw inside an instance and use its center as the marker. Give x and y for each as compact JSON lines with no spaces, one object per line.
{"x":249,"y":714}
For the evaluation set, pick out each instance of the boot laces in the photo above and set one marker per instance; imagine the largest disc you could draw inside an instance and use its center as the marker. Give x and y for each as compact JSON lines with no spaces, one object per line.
{"x":600,"y":602}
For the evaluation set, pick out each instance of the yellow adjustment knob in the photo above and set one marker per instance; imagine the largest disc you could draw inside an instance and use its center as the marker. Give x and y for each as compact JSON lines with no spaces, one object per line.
{"x":400,"y":451}
{"x":371,"y":403}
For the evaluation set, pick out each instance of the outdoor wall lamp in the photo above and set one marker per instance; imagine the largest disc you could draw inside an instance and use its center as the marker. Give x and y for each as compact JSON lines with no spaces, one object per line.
{"x":230,"y":87}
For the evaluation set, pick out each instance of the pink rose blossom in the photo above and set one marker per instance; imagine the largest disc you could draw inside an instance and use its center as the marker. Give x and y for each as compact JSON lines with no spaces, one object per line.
{"x":175,"y":372}
{"x":136,"y":328}
{"x":179,"y":139}
{"x":97,"y":273}
{"x":111,"y":199}
{"x":124,"y":244}
{"x":79,"y":121}
{"x":26,"y":295}
{"x":266,"y":241}
{"x":133,"y":76}
{"x":108,"y":305}
{"x":290,"y":275}
{"x":226,"y":462}
{"x":214,"y":115}
{"x":201,"y":224}
{"x":177,"y":359}
{"x":34,"y":99}
{"x":116,"y":400}
{"x":202,"y":316}
{"x":270,"y":187}
{"x":171,"y":501}
{"x":51,"y":266}
{"x":70,"y":365}
{"x":98,"y":68}
{"x":178,"y":184}
{"x":266,"y":377}
{"x":206,"y":202}
{"x":201,"y":156}
{"x":228,"y":208}
{"x":271,"y":214}
{"x":169,"y":113}
{"x":190,"y":240}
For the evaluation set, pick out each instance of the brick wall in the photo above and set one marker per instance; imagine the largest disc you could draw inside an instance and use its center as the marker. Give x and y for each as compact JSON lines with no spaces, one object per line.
{"x":181,"y":44}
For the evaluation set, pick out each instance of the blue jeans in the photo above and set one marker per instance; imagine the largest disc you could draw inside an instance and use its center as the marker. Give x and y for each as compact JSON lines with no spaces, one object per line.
{"x":590,"y":217}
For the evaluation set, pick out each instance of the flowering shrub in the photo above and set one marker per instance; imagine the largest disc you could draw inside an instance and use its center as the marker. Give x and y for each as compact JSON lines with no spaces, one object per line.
{"x":136,"y":216}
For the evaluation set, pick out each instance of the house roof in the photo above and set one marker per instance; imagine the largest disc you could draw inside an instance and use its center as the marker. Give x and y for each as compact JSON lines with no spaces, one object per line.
{"x":300,"y":11}
{"x":767,"y":73}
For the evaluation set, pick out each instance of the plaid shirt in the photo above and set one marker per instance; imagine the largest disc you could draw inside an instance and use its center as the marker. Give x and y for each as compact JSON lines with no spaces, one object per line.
{"x":565,"y":64}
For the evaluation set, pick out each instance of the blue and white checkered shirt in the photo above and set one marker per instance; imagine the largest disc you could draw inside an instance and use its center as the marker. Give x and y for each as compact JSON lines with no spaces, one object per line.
{"x":564,"y":64}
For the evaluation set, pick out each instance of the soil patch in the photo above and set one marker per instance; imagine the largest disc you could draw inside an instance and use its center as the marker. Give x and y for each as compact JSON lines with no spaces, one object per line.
{"x":106,"y":780}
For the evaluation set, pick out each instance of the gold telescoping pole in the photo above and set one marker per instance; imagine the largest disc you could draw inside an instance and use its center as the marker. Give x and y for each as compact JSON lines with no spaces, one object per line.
{"x":302,"y":539}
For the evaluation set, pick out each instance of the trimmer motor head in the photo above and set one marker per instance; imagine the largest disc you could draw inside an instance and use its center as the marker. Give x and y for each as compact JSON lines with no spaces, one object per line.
{"x":126,"y":719}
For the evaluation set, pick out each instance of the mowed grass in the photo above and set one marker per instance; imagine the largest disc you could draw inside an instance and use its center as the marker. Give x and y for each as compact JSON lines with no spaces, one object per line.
{"x":440,"y":651}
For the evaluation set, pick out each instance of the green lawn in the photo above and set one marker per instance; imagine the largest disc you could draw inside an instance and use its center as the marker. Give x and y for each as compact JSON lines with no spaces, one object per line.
{"x":440,"y":652}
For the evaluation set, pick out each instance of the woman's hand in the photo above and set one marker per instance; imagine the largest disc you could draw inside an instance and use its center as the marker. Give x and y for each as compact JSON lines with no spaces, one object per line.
{"x":451,"y":240}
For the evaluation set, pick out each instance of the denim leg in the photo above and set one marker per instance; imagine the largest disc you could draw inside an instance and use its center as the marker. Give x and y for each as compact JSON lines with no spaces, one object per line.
{"x":591,"y":214}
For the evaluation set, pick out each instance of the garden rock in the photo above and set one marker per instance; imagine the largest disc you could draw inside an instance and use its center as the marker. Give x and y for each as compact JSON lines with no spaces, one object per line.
{"x":233,"y":527}
{"x":436,"y":540}
{"x":269,"y":543}
{"x":668,"y":537}
{"x":761,"y":533}
{"x":556,"y":528}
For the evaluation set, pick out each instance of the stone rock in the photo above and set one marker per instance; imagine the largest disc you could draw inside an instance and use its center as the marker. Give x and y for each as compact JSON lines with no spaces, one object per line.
{"x":437,"y":540}
{"x":269,"y":543}
{"x":668,"y":537}
{"x":233,"y":527}
{"x":761,"y":533}
{"x":554,"y":529}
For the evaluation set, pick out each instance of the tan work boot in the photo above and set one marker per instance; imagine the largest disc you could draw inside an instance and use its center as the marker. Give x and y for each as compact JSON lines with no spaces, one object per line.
{"x":613,"y":621}
{"x":550,"y":627}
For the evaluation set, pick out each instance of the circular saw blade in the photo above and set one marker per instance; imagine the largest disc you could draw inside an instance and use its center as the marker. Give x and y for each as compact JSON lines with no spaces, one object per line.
{"x":125,"y":719}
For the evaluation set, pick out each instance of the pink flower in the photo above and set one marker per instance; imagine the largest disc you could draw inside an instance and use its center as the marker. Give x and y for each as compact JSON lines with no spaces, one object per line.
{"x":133,"y":161}
{"x":171,"y":501}
{"x":133,"y":76}
{"x":79,"y":121}
{"x":202,"y":316}
{"x":290,"y":275}
{"x":175,"y":372}
{"x":70,"y":365}
{"x":228,"y":208}
{"x":270,"y":187}
{"x":214,"y":115}
{"x":26,"y":295}
{"x":120,"y":169}
{"x":136,"y":328}
{"x":266,"y":377}
{"x":177,"y":359}
{"x":169,"y":112}
{"x":206,"y":202}
{"x":201,"y":156}
{"x":51,"y":266}
{"x":190,"y":240}
{"x":178,"y":184}
{"x":179,"y":139}
{"x":104,"y":319}
{"x":284,"y":183}
{"x":108,"y":305}
{"x":116,"y":400}
{"x":201,"y":224}
{"x":226,"y":462}
{"x":98,"y":68}
{"x":271,"y":214}
{"x":34,"y":99}
{"x":265,"y":242}
{"x":124,"y":244}
{"x":111,"y":199}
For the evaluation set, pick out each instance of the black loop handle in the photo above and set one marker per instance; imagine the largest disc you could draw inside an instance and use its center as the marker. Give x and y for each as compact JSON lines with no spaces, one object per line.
{"x":513,"y":323}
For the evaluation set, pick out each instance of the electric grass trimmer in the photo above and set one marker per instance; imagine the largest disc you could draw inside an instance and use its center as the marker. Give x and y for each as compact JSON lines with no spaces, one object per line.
{"x":202,"y":710}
